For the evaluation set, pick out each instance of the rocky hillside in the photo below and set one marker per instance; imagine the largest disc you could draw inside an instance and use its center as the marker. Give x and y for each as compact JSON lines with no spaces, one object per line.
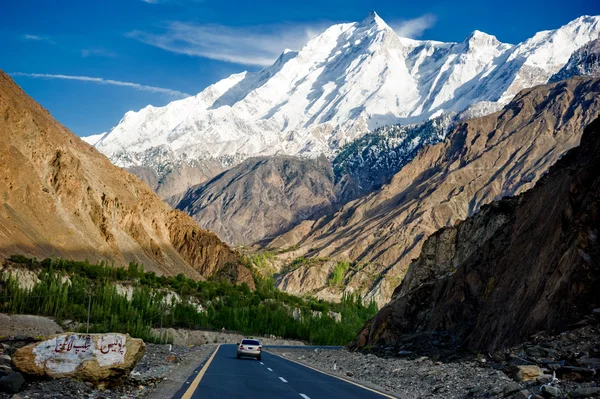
{"x":62,"y":198}
{"x":369,"y":162}
{"x":520,"y":266}
{"x":583,"y":62}
{"x":481,"y":160}
{"x":172,"y":179}
{"x":261,"y":197}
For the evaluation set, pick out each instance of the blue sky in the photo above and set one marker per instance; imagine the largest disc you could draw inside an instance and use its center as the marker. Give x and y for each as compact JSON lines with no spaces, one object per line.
{"x":111,"y":56}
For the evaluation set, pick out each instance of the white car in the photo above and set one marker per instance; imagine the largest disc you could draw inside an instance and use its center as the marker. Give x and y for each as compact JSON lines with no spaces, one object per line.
{"x":249,"y":347}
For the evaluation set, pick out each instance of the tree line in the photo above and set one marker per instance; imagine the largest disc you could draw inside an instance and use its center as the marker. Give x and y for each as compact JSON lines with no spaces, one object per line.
{"x":68,"y":288}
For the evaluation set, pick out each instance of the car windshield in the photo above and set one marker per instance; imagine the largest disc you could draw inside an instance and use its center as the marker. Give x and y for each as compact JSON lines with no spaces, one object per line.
{"x":250,"y":342}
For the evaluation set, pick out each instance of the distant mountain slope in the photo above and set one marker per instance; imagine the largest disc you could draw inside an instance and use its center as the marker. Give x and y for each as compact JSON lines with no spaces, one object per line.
{"x":61,"y":197}
{"x":520,"y":266}
{"x":480,"y":160}
{"x":351,"y":79}
{"x":261,"y":197}
{"x":369,"y":162}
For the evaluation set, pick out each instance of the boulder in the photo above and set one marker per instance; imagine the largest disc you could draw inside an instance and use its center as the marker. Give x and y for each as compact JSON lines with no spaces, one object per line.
{"x":524,"y":394}
{"x":12,"y":383}
{"x":5,"y":360}
{"x":544,"y":379}
{"x":588,"y":392}
{"x":87,"y":357}
{"x":528,"y":373}
{"x":548,"y":391}
{"x":511,"y":388}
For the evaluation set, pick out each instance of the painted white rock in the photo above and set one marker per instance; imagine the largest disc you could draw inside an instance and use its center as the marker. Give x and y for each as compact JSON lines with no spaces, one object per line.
{"x":88,"y":357}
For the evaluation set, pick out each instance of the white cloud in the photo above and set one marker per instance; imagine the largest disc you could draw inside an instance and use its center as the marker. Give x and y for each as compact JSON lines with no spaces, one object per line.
{"x":38,"y":38}
{"x":257,"y":45}
{"x":136,"y":86}
{"x":413,"y":28}
{"x":99,"y":52}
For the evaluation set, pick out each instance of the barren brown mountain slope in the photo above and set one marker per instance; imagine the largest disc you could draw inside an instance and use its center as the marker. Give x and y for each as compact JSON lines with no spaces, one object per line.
{"x":173,"y":183}
{"x":61,"y":197}
{"x":261,"y":197}
{"x":520,"y":266}
{"x":481,"y":160}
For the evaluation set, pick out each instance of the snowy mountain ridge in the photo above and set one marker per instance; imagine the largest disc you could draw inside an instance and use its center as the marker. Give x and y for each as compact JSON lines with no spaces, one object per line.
{"x":351,"y":79}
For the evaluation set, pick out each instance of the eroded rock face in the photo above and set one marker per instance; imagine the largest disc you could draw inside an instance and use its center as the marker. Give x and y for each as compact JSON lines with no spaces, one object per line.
{"x":62,"y":198}
{"x":481,"y":160}
{"x":87,"y":357}
{"x":520,"y":266}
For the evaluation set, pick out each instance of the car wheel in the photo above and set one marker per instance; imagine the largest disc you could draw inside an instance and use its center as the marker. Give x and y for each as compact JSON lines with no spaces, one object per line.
{"x":238,"y":356}
{"x":259,"y":357}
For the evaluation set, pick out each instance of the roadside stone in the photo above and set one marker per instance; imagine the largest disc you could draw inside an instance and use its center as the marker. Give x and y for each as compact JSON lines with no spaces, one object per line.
{"x":524,"y":394}
{"x":528,"y":373}
{"x":579,"y":370}
{"x":544,"y":379}
{"x":554,"y":366}
{"x":511,"y":388}
{"x":589,"y":362}
{"x":548,"y":391}
{"x":86,"y":357}
{"x":495,"y":390}
{"x":12,"y":383}
{"x":536,"y":396}
{"x":586,"y":392}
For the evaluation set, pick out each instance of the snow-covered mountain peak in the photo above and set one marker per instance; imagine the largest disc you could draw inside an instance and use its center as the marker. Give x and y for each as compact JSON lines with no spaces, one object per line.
{"x":373,"y":19}
{"x":350,"y":79}
{"x":481,"y":39}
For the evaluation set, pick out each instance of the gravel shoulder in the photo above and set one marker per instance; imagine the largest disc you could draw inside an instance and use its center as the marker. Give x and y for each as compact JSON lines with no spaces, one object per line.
{"x":566,"y":365}
{"x":403,"y":378}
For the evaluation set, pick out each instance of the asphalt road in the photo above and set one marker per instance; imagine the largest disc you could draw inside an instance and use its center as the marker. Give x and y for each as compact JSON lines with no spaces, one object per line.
{"x":226,"y":377}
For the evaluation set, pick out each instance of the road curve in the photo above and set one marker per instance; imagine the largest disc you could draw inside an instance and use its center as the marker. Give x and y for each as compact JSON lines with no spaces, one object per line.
{"x":224,"y":376}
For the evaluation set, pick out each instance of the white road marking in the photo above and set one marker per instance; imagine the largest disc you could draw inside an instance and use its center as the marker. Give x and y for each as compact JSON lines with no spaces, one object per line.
{"x":304,"y":396}
{"x":262,"y":363}
{"x":282,"y":379}
{"x":269,"y":369}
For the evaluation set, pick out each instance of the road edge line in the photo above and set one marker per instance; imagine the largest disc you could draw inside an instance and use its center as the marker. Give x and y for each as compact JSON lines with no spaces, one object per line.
{"x":338,"y":377}
{"x":194,"y":385}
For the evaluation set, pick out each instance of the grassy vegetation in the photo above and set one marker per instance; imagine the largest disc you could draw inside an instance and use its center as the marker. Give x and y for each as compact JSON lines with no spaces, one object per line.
{"x":301,"y":261}
{"x":66,"y":287}
{"x":339,"y":271}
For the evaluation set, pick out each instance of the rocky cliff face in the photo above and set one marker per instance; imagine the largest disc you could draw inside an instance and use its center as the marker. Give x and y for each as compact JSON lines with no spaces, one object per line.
{"x":61,"y":197}
{"x":520,"y":266}
{"x":583,"y":62}
{"x":262,"y":197}
{"x":481,"y":160}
